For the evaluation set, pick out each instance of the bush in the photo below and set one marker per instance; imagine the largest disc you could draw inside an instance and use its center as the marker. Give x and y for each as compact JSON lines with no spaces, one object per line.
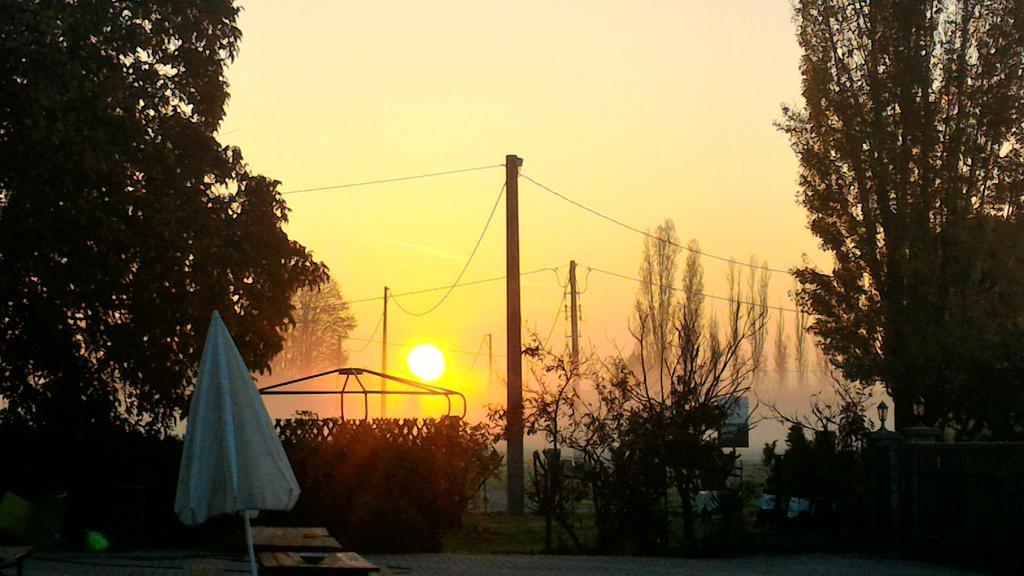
{"x":382,"y":486}
{"x":385,"y":485}
{"x":119,"y":483}
{"x":832,"y":479}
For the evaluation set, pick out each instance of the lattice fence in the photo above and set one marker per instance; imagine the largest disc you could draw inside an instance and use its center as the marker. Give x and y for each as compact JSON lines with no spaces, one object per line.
{"x":403,"y":430}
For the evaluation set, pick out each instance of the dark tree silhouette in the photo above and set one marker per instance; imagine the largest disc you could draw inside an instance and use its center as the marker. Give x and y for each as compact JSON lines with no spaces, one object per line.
{"x":123,"y":222}
{"x":801,"y":354}
{"x":632,"y":435}
{"x":911,"y":146}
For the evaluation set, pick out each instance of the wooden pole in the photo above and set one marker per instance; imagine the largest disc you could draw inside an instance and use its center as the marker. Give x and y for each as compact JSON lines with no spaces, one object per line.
{"x":513,"y":319}
{"x":384,"y":358}
{"x":574,"y":313}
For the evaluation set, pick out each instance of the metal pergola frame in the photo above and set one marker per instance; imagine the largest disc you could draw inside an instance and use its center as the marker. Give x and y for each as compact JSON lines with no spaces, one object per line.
{"x":419,"y":389}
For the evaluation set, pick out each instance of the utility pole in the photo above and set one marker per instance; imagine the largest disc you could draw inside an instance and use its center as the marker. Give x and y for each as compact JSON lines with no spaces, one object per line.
{"x":514,"y":407}
{"x":384,"y":358}
{"x":574,"y":312}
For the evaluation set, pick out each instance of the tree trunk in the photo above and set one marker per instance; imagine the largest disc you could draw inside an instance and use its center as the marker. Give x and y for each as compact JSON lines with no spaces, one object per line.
{"x":689,"y":531}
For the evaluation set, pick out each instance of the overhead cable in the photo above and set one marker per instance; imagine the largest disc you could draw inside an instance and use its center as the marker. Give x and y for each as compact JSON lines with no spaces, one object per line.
{"x":460,"y":285}
{"x":380,"y":319}
{"x":677,"y":289}
{"x":618,"y":222}
{"x":411,"y":345}
{"x":465,"y":266}
{"x":388,"y":180}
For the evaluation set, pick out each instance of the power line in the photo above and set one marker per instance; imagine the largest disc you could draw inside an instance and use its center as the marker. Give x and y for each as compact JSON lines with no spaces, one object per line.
{"x":375,"y":329}
{"x":465,"y":266}
{"x":558,"y":314}
{"x":712,"y":296}
{"x":648,"y":234}
{"x":476,"y":357}
{"x":586,"y":286}
{"x":387,"y":180}
{"x":550,"y":190}
{"x":459,"y":285}
{"x":559,"y":311}
{"x":410,"y":345}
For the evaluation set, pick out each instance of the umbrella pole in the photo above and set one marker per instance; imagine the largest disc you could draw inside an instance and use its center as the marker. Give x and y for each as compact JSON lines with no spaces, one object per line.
{"x":248,"y":542}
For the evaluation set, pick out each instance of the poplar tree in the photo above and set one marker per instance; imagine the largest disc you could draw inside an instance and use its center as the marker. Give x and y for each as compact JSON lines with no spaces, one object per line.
{"x":911,"y":148}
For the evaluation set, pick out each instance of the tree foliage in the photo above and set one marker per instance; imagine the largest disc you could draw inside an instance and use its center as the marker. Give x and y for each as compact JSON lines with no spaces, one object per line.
{"x":829,"y":471}
{"x":641,"y":439}
{"x":801,"y":353}
{"x":123,"y":222}
{"x":315,"y":341}
{"x":911,"y":149}
{"x":655,"y":302}
{"x":781,"y":350}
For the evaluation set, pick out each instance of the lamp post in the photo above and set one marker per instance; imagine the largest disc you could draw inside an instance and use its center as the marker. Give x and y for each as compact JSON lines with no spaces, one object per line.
{"x":919,"y":432}
{"x":883,"y":452}
{"x":918,"y":409}
{"x":883,"y":436}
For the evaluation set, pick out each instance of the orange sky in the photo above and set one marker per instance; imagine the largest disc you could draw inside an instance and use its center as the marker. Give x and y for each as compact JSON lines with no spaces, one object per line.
{"x":643,"y":110}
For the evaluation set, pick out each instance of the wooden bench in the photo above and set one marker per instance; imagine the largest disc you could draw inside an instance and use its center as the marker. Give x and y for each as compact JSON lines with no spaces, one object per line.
{"x":293,"y":539}
{"x":13,"y":556}
{"x":285,"y":563}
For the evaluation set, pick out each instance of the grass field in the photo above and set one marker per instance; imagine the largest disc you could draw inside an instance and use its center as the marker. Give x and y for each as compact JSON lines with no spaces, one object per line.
{"x":499,"y":533}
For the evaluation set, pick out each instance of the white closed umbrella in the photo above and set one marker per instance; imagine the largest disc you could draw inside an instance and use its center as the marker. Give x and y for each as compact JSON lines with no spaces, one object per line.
{"x":233,"y":460}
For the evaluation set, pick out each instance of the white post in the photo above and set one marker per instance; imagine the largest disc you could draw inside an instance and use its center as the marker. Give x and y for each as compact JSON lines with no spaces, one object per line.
{"x":248,"y":543}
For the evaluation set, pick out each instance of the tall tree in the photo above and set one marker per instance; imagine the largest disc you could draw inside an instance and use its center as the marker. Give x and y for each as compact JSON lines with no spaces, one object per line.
{"x":757,"y":286}
{"x":638,"y":442}
{"x":911,"y":149}
{"x":656,"y":302}
{"x":315,"y":341}
{"x":800,"y":352}
{"x":709,"y":373}
{"x":781,"y":350}
{"x":123,"y":222}
{"x":712,"y":375}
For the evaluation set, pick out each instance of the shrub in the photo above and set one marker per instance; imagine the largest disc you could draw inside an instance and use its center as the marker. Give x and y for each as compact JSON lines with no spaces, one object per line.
{"x":385,"y":485}
{"x":120,"y":483}
{"x":831,"y":478}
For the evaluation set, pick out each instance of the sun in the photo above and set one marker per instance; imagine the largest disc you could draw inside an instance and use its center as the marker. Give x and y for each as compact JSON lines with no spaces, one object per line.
{"x":426,"y":362}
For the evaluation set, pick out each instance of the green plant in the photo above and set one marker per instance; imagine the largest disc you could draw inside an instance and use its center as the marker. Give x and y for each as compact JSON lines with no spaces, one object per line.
{"x":386,"y":485}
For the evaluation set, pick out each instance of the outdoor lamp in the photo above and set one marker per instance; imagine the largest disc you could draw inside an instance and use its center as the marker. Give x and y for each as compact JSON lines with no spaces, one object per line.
{"x":919,"y":407}
{"x":883,"y":414}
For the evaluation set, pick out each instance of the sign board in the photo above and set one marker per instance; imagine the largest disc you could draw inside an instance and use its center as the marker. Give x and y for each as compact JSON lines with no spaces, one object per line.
{"x":735,"y":432}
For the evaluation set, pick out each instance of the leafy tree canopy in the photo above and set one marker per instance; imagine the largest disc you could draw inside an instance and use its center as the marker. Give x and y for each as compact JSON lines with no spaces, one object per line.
{"x":640,"y":437}
{"x":315,"y":341}
{"x":911,"y":149}
{"x":123,"y":222}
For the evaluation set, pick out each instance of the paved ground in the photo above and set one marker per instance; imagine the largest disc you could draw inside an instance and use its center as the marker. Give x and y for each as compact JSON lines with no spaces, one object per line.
{"x":816,"y":565}
{"x":164,"y":564}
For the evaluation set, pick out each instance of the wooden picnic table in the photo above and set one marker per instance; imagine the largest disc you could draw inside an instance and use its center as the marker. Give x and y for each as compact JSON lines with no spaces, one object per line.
{"x":294,"y":539}
{"x":13,"y":556}
{"x":333,"y":563}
